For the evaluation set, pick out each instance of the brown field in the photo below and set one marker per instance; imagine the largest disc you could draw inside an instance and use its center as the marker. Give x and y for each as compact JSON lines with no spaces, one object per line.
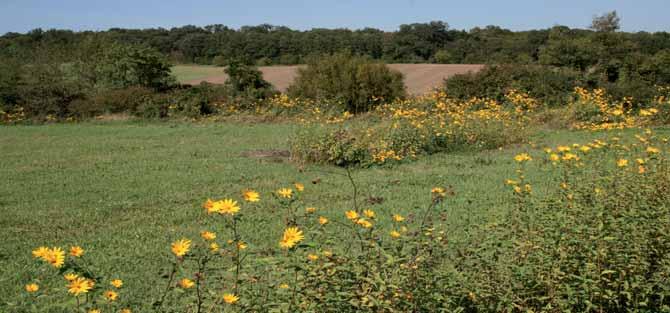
{"x":419,"y":78}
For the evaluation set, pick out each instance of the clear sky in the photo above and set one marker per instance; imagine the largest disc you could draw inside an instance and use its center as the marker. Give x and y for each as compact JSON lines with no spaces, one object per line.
{"x":24,"y":15}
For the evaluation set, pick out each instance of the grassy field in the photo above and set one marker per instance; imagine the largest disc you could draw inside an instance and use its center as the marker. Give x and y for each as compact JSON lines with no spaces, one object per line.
{"x":125,"y":190}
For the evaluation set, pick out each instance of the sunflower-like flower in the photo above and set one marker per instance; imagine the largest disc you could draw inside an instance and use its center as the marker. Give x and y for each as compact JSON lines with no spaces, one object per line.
{"x":208,"y":235}
{"x":622,"y":163}
{"x":292,"y":236}
{"x":351,"y":214}
{"x":186,"y":283}
{"x":395,"y":234}
{"x":227,"y":206}
{"x":312,"y":257}
{"x":55,"y":256}
{"x":250,"y":195}
{"x":323,"y":220}
{"x":111,"y":295}
{"x":70,"y":276}
{"x":209,"y":206}
{"x":40,"y":252}
{"x":299,"y":187}
{"x":79,"y":285}
{"x":76,"y":251}
{"x":230,"y":298}
{"x":523,"y":157}
{"x":310,"y":210}
{"x":398,"y":218}
{"x":117,"y":283}
{"x":369,"y":213}
{"x":32,"y":287}
{"x":181,"y":247}
{"x":285,"y":193}
{"x":364,"y":223}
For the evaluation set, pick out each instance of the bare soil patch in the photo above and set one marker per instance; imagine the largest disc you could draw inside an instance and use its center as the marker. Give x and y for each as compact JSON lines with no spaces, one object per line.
{"x":419,"y":78}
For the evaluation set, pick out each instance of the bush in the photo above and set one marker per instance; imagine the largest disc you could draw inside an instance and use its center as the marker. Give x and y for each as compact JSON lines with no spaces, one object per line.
{"x":246,"y":84}
{"x":356,"y":82}
{"x":552,"y":86}
{"x":407,"y":129}
{"x":124,"y":66}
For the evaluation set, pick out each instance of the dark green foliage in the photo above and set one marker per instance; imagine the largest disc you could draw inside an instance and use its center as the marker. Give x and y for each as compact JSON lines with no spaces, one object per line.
{"x":551,"y":85}
{"x":122,"y":66}
{"x":246,"y":84}
{"x":356,"y":82}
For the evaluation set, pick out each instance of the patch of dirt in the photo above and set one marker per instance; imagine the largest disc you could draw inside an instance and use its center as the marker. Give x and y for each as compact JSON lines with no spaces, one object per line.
{"x":419,"y":78}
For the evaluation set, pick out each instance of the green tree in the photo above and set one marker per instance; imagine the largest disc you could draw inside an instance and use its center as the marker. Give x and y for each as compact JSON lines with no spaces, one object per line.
{"x":123,"y":66}
{"x":357,"y":82}
{"x":607,"y":23}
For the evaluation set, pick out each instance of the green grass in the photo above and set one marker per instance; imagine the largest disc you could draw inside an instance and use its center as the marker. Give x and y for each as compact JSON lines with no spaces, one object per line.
{"x":125,"y":190}
{"x":185,"y":73}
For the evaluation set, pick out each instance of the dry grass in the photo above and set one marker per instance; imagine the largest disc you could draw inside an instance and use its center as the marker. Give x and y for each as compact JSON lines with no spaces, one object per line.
{"x":419,"y":78}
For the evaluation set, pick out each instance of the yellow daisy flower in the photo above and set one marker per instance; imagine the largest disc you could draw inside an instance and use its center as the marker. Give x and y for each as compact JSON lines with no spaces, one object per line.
{"x":181,"y":247}
{"x":292,"y":236}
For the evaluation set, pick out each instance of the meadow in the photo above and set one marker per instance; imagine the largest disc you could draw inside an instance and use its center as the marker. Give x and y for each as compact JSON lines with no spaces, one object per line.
{"x":125,"y":190}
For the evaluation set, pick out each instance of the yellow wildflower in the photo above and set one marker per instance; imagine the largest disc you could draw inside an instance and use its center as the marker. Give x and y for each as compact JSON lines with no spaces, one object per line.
{"x":351,"y":214}
{"x":79,"y":285}
{"x":364,"y":223}
{"x":230,"y":298}
{"x":310,"y":210}
{"x":32,"y":287}
{"x":312,"y":257}
{"x":70,"y":276}
{"x":622,"y":163}
{"x":111,"y":295}
{"x":299,"y":186}
{"x":214,"y":247}
{"x":208,"y":235}
{"x":55,"y":256}
{"x":285,"y":193}
{"x":186,"y":283}
{"x":209,"y":206}
{"x":395,"y":234}
{"x":227,"y":206}
{"x":369,"y":213}
{"x":117,"y":283}
{"x":291,"y":237}
{"x":250,"y":195}
{"x":41,"y":252}
{"x":652,"y":150}
{"x":76,"y":251}
{"x":181,"y":247}
{"x":241,"y":245}
{"x":323,"y":220}
{"x":522,"y":157}
{"x":398,"y":218}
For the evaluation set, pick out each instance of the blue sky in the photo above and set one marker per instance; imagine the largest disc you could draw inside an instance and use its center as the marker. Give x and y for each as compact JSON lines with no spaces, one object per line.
{"x":23,"y":15}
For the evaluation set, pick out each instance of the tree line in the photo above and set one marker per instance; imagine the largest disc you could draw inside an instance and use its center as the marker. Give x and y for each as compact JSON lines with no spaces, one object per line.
{"x":432,"y":42}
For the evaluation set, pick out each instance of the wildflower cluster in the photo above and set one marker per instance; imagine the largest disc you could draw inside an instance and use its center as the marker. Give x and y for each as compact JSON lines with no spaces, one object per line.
{"x":90,"y":292}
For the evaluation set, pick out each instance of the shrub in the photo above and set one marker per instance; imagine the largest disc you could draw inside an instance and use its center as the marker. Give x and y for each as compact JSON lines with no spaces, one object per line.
{"x":406,"y":129}
{"x":246,"y":84}
{"x":549,"y":85}
{"x":124,"y":66}
{"x":356,"y":82}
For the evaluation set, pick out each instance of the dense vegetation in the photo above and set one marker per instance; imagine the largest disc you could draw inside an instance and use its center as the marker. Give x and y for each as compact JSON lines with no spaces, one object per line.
{"x":411,"y":43}
{"x":62,"y":74}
